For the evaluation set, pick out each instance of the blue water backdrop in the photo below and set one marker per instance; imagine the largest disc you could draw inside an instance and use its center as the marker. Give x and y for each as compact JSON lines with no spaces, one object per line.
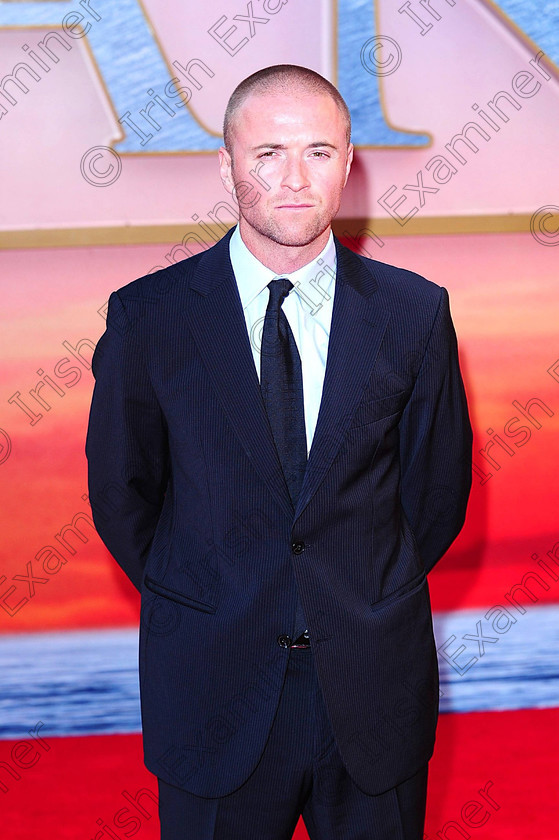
{"x":86,"y":682}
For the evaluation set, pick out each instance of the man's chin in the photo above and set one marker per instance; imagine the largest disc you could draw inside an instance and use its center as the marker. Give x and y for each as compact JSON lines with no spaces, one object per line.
{"x":293,"y":237}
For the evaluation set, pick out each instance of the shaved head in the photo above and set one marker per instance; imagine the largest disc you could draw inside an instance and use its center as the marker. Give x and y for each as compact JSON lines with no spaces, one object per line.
{"x":281,"y":78}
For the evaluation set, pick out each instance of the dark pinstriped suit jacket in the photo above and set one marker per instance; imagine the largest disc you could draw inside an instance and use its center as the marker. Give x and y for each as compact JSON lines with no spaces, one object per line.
{"x":188,"y":495}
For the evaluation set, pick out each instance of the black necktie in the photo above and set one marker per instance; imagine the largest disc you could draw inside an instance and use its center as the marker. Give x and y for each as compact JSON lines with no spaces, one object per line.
{"x":281,"y":382}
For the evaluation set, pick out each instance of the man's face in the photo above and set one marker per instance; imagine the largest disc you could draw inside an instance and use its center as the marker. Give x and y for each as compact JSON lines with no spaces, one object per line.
{"x":296,"y":143}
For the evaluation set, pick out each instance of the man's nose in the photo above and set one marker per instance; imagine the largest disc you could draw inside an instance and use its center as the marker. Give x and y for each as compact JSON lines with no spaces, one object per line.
{"x":295,"y":175}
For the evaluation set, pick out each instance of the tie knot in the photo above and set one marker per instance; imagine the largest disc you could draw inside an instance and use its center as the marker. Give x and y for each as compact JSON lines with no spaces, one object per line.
{"x":279,"y":289}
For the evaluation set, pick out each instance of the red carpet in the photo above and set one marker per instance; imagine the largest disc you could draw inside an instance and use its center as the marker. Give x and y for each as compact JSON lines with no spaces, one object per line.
{"x":76,"y":786}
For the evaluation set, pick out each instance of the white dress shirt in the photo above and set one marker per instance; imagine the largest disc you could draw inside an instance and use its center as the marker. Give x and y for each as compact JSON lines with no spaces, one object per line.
{"x":308,"y":309}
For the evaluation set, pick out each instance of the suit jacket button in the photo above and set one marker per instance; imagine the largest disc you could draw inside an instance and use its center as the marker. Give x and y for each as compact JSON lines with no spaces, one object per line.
{"x":297,"y":547}
{"x":284,"y":641}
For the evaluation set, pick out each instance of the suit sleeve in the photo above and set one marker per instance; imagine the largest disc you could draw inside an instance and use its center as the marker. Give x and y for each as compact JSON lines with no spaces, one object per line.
{"x":126,"y":446}
{"x":436,"y":444}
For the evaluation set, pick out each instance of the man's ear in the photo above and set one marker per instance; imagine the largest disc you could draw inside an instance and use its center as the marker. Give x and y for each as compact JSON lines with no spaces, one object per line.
{"x":225,"y":169}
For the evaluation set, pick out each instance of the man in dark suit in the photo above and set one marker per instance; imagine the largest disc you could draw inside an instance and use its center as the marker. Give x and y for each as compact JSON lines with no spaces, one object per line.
{"x":277,"y":473}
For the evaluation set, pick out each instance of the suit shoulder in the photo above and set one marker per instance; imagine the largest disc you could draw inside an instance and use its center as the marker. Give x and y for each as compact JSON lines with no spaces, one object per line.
{"x":405,"y":278}
{"x":151,"y":301}
{"x":403,"y":286}
{"x":158,"y":283}
{"x":174,"y":279}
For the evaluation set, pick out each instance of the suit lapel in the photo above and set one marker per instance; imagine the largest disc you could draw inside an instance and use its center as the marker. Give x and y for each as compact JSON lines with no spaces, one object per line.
{"x":356,"y":333}
{"x":216,"y":320}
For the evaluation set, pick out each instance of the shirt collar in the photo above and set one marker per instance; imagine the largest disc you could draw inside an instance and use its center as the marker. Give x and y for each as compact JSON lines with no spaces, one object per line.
{"x":252,"y":276}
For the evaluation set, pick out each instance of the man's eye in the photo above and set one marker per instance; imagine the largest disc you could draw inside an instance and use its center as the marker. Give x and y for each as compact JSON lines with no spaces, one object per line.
{"x":267,"y":154}
{"x":319,"y":154}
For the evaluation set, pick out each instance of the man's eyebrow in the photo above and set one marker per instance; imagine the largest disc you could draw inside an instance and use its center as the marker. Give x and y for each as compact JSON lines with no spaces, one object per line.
{"x":267,"y":146}
{"x":322,"y":144}
{"x":315,"y":145}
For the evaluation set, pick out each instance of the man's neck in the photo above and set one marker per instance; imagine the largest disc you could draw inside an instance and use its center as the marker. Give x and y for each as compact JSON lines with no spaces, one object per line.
{"x":283,"y":259}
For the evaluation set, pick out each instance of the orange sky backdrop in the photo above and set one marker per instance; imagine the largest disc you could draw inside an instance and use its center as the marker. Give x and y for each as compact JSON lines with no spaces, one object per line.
{"x":502,"y":289}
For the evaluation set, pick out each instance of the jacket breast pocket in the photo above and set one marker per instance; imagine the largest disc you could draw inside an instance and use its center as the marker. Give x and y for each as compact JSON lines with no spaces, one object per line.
{"x":370,"y":411}
{"x":178,"y":597}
